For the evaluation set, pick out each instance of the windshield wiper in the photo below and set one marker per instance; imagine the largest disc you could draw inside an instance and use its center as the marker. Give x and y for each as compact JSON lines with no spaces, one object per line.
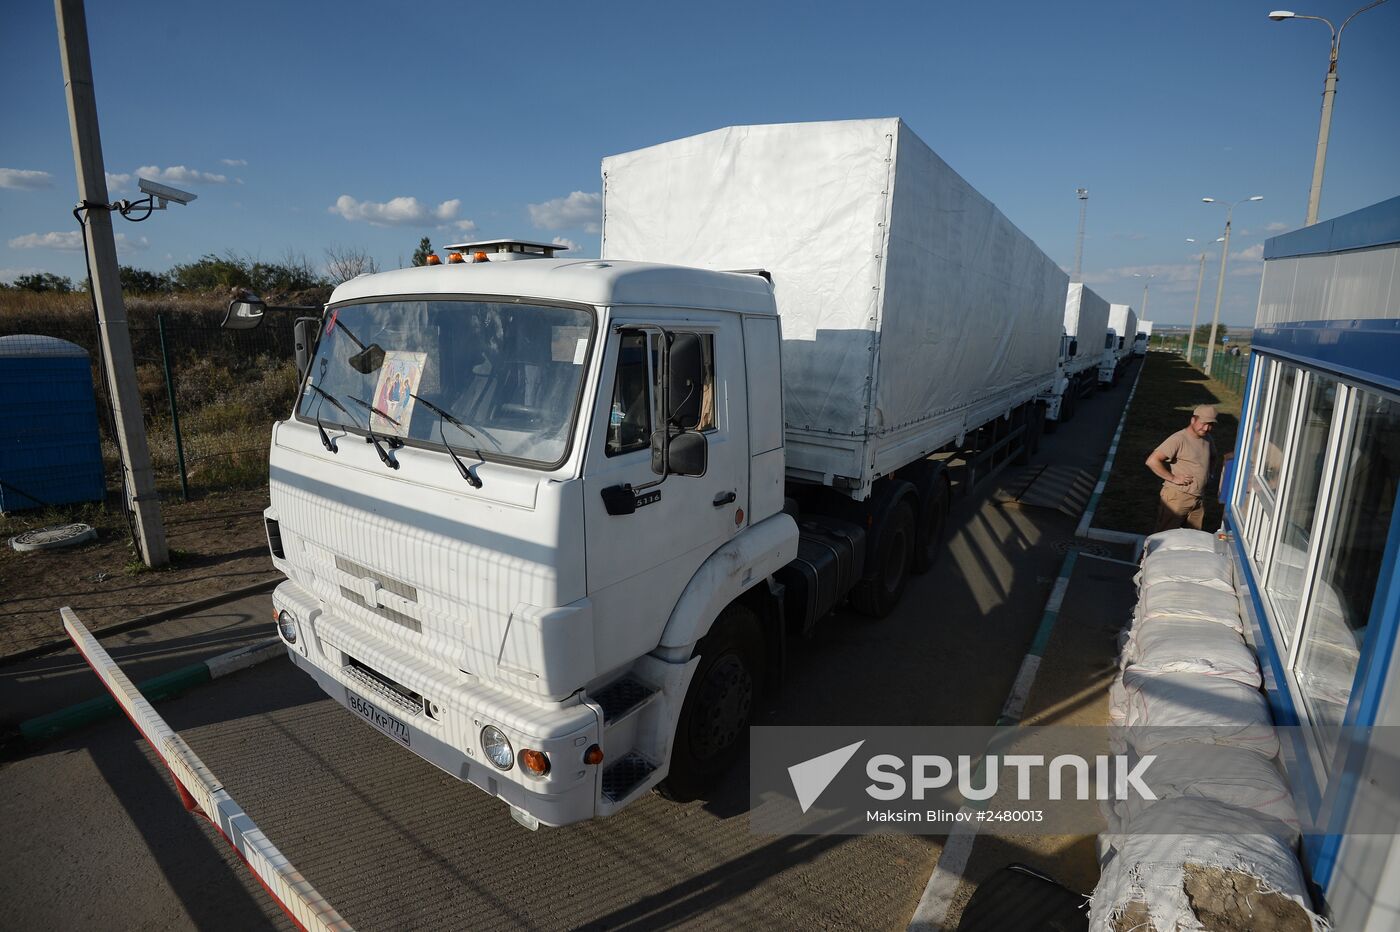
{"x":373,"y":438}
{"x":326,"y":440}
{"x":472,"y":480}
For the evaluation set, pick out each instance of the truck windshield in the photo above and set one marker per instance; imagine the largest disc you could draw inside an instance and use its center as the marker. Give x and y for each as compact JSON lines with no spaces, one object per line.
{"x":509,"y":374}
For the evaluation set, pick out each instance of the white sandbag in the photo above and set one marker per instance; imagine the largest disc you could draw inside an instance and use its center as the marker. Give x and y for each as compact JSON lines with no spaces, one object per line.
{"x":1197,"y":566}
{"x":1194,"y":879}
{"x":1168,"y":708}
{"x":1178,"y":539}
{"x":1117,"y":701}
{"x":1224,"y":774}
{"x":1178,"y":600}
{"x":1191,"y":646}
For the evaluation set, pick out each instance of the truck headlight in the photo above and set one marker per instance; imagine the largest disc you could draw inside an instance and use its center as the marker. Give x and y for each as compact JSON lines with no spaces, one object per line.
{"x":496,"y":747}
{"x":287,"y":626}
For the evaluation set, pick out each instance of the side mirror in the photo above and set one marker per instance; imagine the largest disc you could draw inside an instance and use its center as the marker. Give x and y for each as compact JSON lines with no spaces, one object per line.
{"x":304,"y":336}
{"x":1073,"y":348}
{"x":244,"y":315}
{"x":685,"y":380}
{"x":687,"y":454}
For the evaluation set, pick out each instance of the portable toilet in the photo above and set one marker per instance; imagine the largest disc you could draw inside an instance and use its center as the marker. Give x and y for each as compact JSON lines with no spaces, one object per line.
{"x":50,"y":453}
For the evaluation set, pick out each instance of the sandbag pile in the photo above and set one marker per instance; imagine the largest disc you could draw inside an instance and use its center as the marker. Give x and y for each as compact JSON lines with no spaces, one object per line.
{"x":1217,"y":848}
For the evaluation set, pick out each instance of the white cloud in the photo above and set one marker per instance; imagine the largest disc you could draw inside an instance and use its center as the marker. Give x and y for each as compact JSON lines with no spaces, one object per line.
{"x":566,"y":243}
{"x":180,"y":174}
{"x":69,"y":241}
{"x":25,"y":179}
{"x":1253,"y":253}
{"x":579,"y":210}
{"x":1278,"y":227}
{"x":9,"y":275}
{"x":234,"y":163}
{"x":117,"y":182}
{"x":465,"y":226}
{"x":397,"y":212}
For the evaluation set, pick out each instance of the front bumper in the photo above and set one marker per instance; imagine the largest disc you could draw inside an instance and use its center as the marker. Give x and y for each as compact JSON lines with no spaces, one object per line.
{"x":343,"y":657}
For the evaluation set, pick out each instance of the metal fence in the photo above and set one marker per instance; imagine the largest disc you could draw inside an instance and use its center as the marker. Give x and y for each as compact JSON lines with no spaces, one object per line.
{"x":1228,"y":366}
{"x":208,"y":395}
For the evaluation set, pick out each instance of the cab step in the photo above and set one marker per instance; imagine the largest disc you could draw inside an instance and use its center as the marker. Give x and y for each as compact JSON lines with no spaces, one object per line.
{"x":623,"y":777}
{"x":623,"y":696}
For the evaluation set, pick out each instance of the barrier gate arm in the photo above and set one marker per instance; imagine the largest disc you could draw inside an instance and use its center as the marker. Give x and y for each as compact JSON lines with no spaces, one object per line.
{"x":203,"y":795}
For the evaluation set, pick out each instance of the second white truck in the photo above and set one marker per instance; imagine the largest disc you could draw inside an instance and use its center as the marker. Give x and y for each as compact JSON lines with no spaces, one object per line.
{"x":1122,"y":331}
{"x":547,"y":523}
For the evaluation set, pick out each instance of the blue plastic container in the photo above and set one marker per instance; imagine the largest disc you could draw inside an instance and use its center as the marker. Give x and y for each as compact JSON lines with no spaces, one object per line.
{"x":50,"y":453}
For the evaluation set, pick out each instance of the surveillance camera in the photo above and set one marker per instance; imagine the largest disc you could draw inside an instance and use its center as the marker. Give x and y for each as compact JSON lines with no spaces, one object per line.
{"x":165,"y":192}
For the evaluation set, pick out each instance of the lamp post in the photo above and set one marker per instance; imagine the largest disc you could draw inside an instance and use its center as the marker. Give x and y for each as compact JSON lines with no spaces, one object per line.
{"x":1147,"y":280}
{"x":1195,"y":311}
{"x":1083,"y":195}
{"x":1329,"y":91}
{"x":1224,"y":257}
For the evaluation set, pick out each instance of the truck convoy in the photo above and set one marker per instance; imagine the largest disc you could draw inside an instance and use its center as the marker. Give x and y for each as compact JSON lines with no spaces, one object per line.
{"x":1083,"y":354}
{"x":1122,"y":331}
{"x":548,"y":523}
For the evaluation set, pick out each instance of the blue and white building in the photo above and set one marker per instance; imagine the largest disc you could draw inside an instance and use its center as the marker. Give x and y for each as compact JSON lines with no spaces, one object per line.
{"x":1311,"y":504}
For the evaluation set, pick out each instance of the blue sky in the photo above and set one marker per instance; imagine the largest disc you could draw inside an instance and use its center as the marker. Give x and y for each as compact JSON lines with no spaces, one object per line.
{"x":303,"y":126}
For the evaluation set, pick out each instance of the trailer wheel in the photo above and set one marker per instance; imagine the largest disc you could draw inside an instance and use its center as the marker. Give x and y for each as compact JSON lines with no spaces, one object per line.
{"x":713,"y":727}
{"x":893,"y":553}
{"x":933,"y":523}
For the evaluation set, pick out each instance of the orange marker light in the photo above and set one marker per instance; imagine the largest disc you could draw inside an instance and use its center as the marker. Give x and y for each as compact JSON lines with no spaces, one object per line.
{"x":535,"y":762}
{"x":433,"y":259}
{"x":479,"y":257}
{"x":453,"y":258}
{"x":593,"y":755}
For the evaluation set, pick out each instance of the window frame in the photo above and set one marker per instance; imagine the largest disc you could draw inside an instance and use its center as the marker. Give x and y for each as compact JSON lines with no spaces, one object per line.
{"x":652,"y":331}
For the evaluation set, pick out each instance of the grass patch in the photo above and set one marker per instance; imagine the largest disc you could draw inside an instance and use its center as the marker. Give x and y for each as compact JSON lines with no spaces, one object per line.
{"x":1167,"y":391}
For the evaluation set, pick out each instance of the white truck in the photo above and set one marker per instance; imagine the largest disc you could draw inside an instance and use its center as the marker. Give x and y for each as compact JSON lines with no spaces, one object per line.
{"x":1122,"y":330}
{"x":548,"y":523}
{"x":1083,"y":353}
{"x":1144,"y":336}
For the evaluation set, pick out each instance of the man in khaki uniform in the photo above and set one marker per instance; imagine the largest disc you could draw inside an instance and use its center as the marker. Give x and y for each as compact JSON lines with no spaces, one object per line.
{"x":1184,"y":462}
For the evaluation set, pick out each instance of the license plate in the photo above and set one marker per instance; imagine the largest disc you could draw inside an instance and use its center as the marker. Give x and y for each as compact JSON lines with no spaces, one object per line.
{"x":378,"y":718}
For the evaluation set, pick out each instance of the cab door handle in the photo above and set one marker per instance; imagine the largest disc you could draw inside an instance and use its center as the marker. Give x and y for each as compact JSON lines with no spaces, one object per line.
{"x":724,"y":498}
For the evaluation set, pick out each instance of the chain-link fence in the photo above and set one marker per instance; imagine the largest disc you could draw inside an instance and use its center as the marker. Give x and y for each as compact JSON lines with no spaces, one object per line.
{"x":1228,"y":365}
{"x":208,"y":395}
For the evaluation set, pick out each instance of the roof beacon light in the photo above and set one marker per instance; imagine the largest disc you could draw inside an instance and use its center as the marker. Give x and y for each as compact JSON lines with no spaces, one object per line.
{"x":453,"y":258}
{"x":433,"y":259}
{"x":479,"y":257}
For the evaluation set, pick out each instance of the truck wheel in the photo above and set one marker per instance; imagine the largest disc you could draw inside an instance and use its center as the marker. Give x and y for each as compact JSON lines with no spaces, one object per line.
{"x":933,"y":524}
{"x":893,"y":553}
{"x":713,"y":727}
{"x":1067,"y":406}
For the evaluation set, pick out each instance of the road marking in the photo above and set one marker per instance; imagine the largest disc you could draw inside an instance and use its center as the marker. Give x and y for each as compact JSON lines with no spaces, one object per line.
{"x":931,"y":915}
{"x":1087,"y":521}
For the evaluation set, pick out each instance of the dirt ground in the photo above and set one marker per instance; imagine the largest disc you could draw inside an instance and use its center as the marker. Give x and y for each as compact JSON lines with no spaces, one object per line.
{"x":217,"y":545}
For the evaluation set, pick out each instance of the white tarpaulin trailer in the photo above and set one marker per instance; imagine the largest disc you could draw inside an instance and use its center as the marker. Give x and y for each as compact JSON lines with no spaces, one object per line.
{"x":1086,"y":320}
{"x":912,"y":310}
{"x":1123,"y":319}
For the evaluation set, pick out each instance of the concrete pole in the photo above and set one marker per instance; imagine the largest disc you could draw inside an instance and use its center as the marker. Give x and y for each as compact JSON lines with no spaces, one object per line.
{"x":1191,"y":337}
{"x":1329,"y":91}
{"x":106,"y":285}
{"x":1144,"y":301}
{"x":1083,"y":195}
{"x":1219,"y":292}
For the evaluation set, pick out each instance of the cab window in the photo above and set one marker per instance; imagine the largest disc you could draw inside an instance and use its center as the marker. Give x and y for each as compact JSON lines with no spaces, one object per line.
{"x":636,"y":392}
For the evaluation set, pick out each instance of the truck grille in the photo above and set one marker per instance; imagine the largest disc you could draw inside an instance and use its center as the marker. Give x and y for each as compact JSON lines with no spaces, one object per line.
{"x":389,"y":584}
{"x":381,"y":687}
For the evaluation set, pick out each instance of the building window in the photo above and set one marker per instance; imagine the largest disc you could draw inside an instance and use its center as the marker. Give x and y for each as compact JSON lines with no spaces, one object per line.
{"x":1359,"y":517}
{"x":1307,"y":454}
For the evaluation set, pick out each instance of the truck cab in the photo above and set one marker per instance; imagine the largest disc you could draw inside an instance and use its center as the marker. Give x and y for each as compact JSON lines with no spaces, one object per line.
{"x":512,"y":501}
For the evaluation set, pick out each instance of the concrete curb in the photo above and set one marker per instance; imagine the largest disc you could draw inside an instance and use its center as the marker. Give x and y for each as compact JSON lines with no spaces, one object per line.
{"x":1086,"y":528}
{"x":53,"y":725}
{"x":141,"y":621}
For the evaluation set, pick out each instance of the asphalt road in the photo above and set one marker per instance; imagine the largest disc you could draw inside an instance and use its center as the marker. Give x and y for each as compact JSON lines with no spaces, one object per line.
{"x":94,"y":834}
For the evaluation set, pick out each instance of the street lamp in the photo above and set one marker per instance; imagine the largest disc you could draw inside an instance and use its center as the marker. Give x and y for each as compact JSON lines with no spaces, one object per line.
{"x":1224,"y":256}
{"x":1329,"y":91}
{"x":1147,"y":280}
{"x":1200,"y":278}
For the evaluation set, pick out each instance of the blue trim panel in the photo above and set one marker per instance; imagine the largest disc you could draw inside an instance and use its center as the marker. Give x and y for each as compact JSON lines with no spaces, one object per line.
{"x":1377,"y":225}
{"x":1362,"y":350}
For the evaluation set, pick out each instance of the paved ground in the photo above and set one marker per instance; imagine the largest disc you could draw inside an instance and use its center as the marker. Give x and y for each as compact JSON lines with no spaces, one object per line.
{"x":93,"y":829}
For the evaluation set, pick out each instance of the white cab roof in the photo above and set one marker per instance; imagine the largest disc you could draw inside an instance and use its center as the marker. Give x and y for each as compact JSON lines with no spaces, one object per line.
{"x":588,"y":281}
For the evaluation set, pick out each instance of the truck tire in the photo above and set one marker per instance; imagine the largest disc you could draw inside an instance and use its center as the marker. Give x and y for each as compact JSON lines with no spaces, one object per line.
{"x":713,"y":727}
{"x":934,"y":502}
{"x":892,"y":553}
